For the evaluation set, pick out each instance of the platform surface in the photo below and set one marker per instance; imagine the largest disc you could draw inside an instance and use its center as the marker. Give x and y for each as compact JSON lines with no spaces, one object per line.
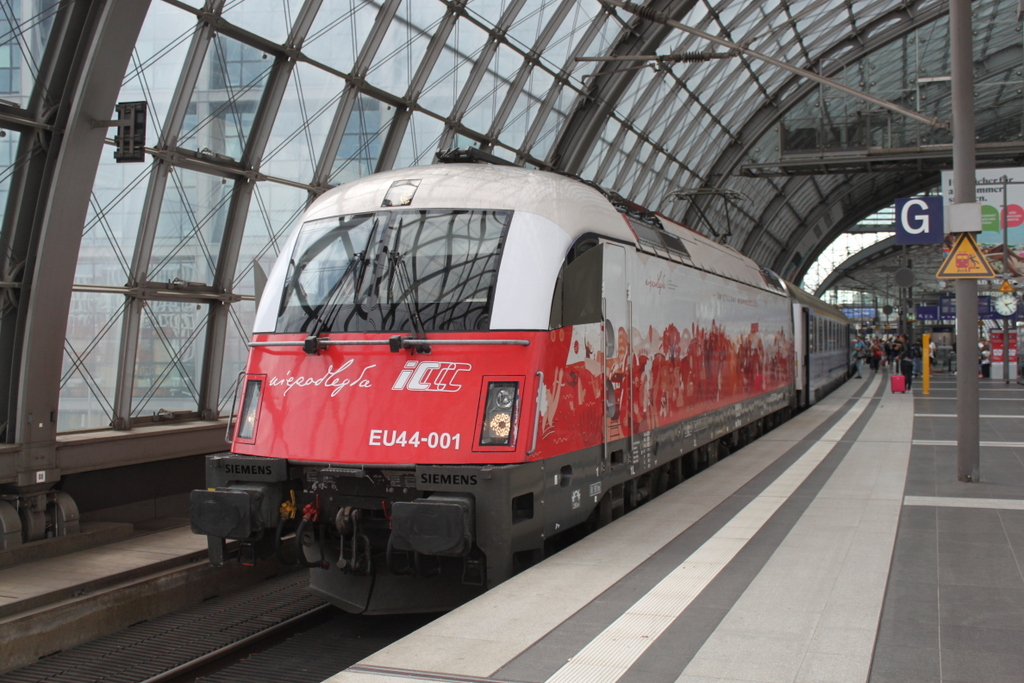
{"x":838,"y":547}
{"x":27,"y":585}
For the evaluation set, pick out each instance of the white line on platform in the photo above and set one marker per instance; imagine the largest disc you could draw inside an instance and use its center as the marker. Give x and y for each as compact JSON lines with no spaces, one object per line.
{"x":997,"y":444}
{"x":982,"y":398}
{"x":1011,"y":417}
{"x":946,"y":502}
{"x":606,"y":658}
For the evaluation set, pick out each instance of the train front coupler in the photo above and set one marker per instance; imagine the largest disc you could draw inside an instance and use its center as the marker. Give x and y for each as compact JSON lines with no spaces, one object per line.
{"x":247,"y":500}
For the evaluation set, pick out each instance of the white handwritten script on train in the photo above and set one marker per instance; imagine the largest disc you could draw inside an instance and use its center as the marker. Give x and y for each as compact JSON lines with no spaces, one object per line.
{"x":331,"y":379}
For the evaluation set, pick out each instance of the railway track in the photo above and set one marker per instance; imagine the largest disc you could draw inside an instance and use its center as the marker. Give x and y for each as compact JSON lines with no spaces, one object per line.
{"x":275,"y":631}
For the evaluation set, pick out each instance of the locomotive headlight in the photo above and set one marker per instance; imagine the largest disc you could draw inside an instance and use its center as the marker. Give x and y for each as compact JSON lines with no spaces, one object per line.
{"x":250,"y":408}
{"x":504,"y":397}
{"x":499,"y":413}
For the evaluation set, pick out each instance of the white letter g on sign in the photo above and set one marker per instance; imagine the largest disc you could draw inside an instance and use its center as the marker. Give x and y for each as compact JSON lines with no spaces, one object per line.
{"x":922,"y":220}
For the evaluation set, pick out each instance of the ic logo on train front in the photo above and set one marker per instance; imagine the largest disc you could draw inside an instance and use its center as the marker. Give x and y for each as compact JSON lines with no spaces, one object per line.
{"x":429,"y":375}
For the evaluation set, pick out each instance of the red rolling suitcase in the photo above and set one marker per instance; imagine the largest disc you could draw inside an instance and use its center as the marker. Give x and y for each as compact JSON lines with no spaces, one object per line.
{"x":898,"y":383}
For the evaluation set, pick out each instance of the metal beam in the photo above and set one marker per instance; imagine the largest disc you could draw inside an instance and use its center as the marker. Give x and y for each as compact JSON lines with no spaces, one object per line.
{"x":161,"y":169}
{"x":653,"y":15}
{"x":356,"y":83}
{"x":104,"y":46}
{"x":479,"y":70}
{"x":869,"y":38}
{"x":579,"y":135}
{"x":855,"y":262}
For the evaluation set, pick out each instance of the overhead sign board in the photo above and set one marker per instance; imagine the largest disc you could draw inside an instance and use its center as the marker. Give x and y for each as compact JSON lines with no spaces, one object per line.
{"x":919,"y":220}
{"x":947,"y":308}
{"x":965,"y":261}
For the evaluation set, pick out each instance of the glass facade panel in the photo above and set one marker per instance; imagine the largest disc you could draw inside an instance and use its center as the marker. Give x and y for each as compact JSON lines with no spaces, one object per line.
{"x":190,"y":228}
{"x":273,"y":212}
{"x":552,"y":124}
{"x":421,"y":141}
{"x":401,"y":52}
{"x":492,"y":90}
{"x":89,"y":371}
{"x":531,"y":21}
{"x":236,"y":351}
{"x":271,"y":19}
{"x":170,"y":358}
{"x":363,"y":139}
{"x":156,"y":64}
{"x":303,"y":123}
{"x":24,"y":31}
{"x":526,"y":108}
{"x":339,"y":31}
{"x":569,"y":33}
{"x":452,"y":68}
{"x":225,"y":100}
{"x":112,"y":224}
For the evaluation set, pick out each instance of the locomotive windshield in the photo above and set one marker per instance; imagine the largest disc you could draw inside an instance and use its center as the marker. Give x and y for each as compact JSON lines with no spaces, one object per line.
{"x":432,"y":270}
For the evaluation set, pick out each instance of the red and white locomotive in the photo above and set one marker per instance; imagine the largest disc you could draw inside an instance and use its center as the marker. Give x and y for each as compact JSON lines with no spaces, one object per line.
{"x":454,"y":365}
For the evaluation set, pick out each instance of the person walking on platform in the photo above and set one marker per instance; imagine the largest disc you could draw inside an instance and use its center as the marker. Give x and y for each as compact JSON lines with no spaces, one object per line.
{"x":902,"y":357}
{"x":875,"y":357}
{"x":917,"y":355}
{"x":860,"y":352}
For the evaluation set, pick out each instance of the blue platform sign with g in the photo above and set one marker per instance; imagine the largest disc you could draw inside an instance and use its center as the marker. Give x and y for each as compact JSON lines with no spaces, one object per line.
{"x":919,"y":220}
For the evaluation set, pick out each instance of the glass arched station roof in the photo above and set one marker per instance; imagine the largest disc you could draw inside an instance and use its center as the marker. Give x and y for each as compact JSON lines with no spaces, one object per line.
{"x":127,"y":288}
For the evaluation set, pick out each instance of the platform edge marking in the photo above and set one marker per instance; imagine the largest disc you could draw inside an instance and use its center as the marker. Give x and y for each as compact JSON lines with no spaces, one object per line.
{"x":593,"y":662}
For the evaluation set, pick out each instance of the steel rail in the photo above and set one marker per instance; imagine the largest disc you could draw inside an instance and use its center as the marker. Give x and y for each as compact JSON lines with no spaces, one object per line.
{"x":228,"y":650}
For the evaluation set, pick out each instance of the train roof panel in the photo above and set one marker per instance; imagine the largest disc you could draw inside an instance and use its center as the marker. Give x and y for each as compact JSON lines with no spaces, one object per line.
{"x":716,"y":258}
{"x":574,"y":206}
{"x":818,"y":305}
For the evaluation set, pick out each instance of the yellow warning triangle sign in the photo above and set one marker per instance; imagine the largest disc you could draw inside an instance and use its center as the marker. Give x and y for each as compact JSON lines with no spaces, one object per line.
{"x":965,"y":260}
{"x":1006,"y":287}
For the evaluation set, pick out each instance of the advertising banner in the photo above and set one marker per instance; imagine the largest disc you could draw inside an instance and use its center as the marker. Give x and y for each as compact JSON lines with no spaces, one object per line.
{"x":1000,"y":191}
{"x":995,"y":338}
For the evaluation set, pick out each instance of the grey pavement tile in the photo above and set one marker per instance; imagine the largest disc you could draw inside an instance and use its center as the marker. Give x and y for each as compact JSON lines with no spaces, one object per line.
{"x":922,"y":572}
{"x":980,"y":639}
{"x":833,"y":668}
{"x":966,"y":520}
{"x":917,"y":518}
{"x":544,"y":660}
{"x":951,"y":540}
{"x":912,"y":601}
{"x":662,"y":662}
{"x":894,"y":632}
{"x":959,"y":666}
{"x":916,"y":545}
{"x":921,"y":485}
{"x":980,"y":564}
{"x":982,"y":606}
{"x":915,"y":557}
{"x":905,"y":665}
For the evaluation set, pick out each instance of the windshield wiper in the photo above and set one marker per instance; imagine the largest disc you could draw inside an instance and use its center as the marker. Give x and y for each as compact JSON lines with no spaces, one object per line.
{"x":411,"y":300}
{"x":312,"y":344}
